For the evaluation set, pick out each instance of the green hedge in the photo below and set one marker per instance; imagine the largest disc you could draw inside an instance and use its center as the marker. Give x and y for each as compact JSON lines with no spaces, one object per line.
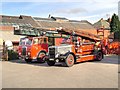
{"x":12,"y":55}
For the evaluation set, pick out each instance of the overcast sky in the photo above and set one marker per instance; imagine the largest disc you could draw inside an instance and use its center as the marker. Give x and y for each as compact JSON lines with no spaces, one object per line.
{"x":91,"y":10}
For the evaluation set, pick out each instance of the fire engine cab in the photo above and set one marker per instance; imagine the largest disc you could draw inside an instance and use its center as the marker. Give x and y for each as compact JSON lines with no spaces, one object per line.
{"x":31,"y":48}
{"x":77,"y":48}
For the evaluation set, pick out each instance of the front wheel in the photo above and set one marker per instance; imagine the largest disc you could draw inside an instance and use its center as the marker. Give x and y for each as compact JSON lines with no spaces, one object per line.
{"x":50,"y":63}
{"x":99,"y":56}
{"x":69,"y":61}
{"x":41,"y":56}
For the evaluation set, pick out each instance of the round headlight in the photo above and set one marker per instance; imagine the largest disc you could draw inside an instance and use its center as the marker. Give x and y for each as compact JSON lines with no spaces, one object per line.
{"x":47,"y":54}
{"x":28,"y":53}
{"x":19,"y":53}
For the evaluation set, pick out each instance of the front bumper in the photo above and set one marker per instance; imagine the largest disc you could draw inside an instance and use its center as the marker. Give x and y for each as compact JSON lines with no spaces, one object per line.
{"x":24,"y":57}
{"x":59,"y":58}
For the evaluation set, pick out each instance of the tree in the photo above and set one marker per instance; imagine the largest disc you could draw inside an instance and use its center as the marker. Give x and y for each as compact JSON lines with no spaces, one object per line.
{"x":118,"y":32}
{"x":114,"y":24}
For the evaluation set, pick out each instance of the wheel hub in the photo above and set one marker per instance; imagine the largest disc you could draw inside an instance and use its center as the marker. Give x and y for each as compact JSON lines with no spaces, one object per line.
{"x":71,"y":60}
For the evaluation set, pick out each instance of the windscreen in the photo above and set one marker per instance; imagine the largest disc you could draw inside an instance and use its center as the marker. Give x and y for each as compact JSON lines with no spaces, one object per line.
{"x":25,"y":41}
{"x":65,"y":41}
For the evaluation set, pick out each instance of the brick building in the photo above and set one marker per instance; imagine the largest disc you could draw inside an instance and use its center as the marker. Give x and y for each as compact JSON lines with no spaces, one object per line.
{"x":103,"y":28}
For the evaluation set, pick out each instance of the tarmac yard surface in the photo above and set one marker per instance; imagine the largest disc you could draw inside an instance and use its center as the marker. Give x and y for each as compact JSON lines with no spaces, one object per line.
{"x":93,"y":74}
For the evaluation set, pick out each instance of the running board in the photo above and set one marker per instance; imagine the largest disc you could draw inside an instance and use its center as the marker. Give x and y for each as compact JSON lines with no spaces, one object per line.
{"x":85,"y":58}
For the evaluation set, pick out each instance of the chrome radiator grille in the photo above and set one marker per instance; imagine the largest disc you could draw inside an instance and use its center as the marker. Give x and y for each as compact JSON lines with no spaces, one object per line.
{"x":24,"y":51}
{"x":52,"y":52}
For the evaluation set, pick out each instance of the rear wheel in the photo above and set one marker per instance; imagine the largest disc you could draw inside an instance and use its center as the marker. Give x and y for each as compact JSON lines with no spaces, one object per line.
{"x":69,"y":61}
{"x":41,"y":56}
{"x":99,"y":56}
{"x":28,"y":60}
{"x":50,"y":63}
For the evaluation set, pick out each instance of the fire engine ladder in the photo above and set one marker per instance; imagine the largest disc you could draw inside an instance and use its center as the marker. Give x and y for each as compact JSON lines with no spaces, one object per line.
{"x":31,"y":31}
{"x":83,"y":34}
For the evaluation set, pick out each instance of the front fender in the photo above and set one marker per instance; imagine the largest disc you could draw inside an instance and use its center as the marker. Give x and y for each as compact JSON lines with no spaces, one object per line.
{"x":40,"y":52}
{"x":66,"y":54}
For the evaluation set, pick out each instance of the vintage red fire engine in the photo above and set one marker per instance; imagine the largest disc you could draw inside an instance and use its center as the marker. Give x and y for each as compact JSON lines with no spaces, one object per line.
{"x":31,"y":48}
{"x":78,"y":47}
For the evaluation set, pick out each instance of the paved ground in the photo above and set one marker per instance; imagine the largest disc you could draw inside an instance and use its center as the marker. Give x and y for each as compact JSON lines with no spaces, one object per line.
{"x":103,"y":74}
{"x":0,"y":75}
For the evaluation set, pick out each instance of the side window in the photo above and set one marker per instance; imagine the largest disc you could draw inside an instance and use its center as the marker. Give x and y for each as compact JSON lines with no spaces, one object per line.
{"x":36,"y":41}
{"x":40,"y":40}
{"x":51,"y":41}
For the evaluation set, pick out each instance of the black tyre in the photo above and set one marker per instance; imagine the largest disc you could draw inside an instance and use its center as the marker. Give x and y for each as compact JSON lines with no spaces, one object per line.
{"x":28,"y":60}
{"x":99,"y":56}
{"x":41,"y":56}
{"x":50,"y":63}
{"x":69,"y":61}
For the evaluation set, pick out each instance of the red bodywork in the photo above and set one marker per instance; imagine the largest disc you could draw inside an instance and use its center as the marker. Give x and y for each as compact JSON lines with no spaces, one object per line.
{"x":34,"y":47}
{"x":111,"y":47}
{"x":114,"y":48}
